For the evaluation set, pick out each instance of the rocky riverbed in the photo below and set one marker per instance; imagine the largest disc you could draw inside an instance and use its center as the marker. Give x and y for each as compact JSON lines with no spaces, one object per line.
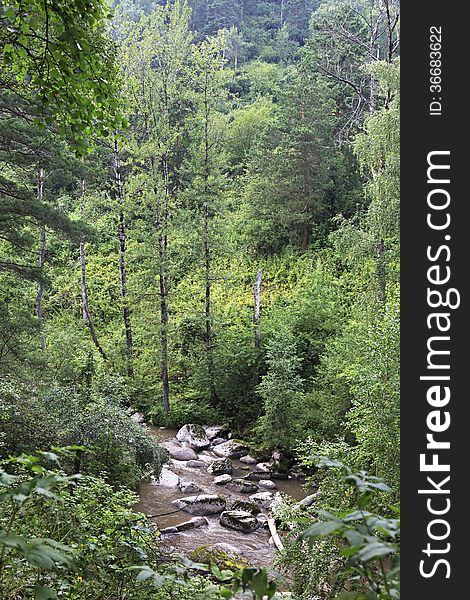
{"x":212,"y":492}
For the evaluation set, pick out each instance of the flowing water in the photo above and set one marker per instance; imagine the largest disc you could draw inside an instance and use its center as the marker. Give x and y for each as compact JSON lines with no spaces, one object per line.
{"x":156,"y":497}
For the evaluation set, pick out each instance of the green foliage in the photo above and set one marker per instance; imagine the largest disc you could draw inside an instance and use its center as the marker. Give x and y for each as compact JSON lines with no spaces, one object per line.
{"x":117,"y":447}
{"x":281,"y":390}
{"x":370,"y":539}
{"x":58,"y":52}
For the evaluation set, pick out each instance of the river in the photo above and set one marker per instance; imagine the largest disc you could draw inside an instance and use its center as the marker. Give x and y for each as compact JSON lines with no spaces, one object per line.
{"x":156,"y":497}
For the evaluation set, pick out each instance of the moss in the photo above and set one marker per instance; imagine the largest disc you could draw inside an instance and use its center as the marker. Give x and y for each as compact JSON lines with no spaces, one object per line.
{"x":217,"y":556}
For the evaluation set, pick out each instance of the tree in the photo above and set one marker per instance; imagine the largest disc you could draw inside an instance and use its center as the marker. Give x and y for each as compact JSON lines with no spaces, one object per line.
{"x":158,"y":51}
{"x":57,"y":52}
{"x":281,"y":391}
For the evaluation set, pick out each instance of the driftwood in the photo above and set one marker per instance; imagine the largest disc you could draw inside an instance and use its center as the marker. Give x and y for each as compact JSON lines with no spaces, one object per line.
{"x":274,"y":534}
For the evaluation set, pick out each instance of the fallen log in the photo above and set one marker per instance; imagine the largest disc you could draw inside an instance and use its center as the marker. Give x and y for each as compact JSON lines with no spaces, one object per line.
{"x":274,"y":534}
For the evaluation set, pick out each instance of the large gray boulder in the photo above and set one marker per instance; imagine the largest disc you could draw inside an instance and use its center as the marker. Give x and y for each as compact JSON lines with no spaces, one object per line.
{"x":168,"y":478}
{"x":222,"y":479}
{"x":213,"y":431}
{"x":203,"y":504}
{"x":248,"y":460}
{"x":196,"y":464}
{"x":243,"y":486}
{"x":263,"y":499}
{"x":186,"y":526}
{"x":177,"y":451}
{"x":246,"y":506}
{"x":221,"y":466}
{"x":230,"y":449}
{"x":239,"y":520}
{"x":194,"y":436}
{"x":188,"y":487}
{"x":267,"y":484}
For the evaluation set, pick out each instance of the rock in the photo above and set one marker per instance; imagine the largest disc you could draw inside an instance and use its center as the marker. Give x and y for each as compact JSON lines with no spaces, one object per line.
{"x":206,"y":458}
{"x":177,"y":451}
{"x":239,"y":520}
{"x":262,"y":499}
{"x":248,"y":460}
{"x":203,"y":504}
{"x":186,"y":526}
{"x":222,"y":479}
{"x":218,"y":441}
{"x":246,"y":506}
{"x":196,"y":464}
{"x":221,"y":466}
{"x":243,"y":486}
{"x":188,"y":487}
{"x":263,"y":468}
{"x":308,"y":501}
{"x":194,"y":436}
{"x":168,"y":478}
{"x":214,"y":431}
{"x":267,"y":484}
{"x":230,"y":449}
{"x":138,"y":417}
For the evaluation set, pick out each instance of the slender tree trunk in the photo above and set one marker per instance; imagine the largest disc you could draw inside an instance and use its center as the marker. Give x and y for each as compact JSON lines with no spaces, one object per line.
{"x":381,"y":272}
{"x":160,"y":225}
{"x":122,"y":262}
{"x":305,"y":186}
{"x":282,"y":13}
{"x":256,"y":329}
{"x":207,"y":248}
{"x":257,"y":308}
{"x":41,"y":260}
{"x":86,"y":308}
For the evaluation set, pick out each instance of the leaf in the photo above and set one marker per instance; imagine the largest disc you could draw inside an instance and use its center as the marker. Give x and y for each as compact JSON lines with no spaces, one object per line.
{"x":320,"y":529}
{"x":44,"y":593}
{"x":374,"y":550}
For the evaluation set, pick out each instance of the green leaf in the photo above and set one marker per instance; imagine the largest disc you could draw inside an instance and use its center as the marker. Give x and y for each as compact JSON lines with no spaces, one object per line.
{"x":44,"y":593}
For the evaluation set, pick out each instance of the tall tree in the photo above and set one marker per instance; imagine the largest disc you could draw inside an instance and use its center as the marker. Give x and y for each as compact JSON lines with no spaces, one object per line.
{"x":122,"y":259}
{"x":157,"y":59}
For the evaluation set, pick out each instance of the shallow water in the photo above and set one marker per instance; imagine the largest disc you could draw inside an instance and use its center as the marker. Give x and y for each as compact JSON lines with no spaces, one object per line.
{"x":156,"y":497}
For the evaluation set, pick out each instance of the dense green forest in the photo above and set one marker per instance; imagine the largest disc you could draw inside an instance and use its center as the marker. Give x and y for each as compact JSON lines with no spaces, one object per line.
{"x":199,"y":224}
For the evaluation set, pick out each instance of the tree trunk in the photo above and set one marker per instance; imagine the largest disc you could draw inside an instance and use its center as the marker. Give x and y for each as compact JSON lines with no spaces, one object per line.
{"x":41,"y":260}
{"x":207,"y":249}
{"x":122,"y":262}
{"x":86,"y":308}
{"x":257,"y":308}
{"x":160,"y":225}
{"x":381,"y":272}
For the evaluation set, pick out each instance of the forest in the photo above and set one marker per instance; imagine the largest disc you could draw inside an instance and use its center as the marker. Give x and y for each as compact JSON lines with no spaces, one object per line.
{"x":199,"y":299}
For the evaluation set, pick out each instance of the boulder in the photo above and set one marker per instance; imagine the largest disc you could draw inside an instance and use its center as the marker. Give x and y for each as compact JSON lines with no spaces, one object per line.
{"x":186,"y":526}
{"x":246,"y":506}
{"x":196,"y":464}
{"x":243,"y":486}
{"x":203,"y":504}
{"x":222,"y":479}
{"x":213,"y":431}
{"x":188,"y":487}
{"x":138,"y":417}
{"x":221,"y":466}
{"x":177,"y":451}
{"x":239,"y":520}
{"x":230,"y":449}
{"x":168,"y":478}
{"x":263,"y":468}
{"x":194,"y":436}
{"x":267,"y":484}
{"x":262,"y":499}
{"x":218,"y":441}
{"x":248,"y":460}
